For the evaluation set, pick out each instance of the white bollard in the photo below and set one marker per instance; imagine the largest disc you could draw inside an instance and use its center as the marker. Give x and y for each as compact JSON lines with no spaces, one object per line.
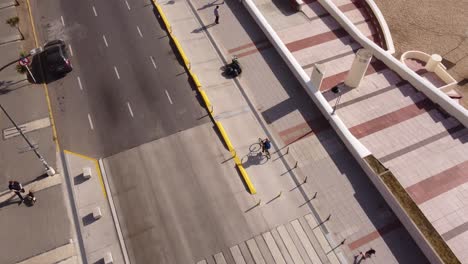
{"x":86,"y":172}
{"x":358,"y":68}
{"x":108,"y":258}
{"x":50,"y":171}
{"x":97,"y":213}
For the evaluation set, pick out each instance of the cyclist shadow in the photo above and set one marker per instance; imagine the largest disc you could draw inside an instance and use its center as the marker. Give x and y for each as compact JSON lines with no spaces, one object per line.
{"x":254,"y":157}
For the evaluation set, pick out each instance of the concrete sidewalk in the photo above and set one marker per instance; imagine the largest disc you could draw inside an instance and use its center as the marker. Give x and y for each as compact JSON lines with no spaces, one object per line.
{"x":266,"y":100}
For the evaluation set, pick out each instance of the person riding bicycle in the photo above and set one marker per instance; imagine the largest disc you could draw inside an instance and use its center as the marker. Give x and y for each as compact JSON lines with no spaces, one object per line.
{"x":266,"y":145}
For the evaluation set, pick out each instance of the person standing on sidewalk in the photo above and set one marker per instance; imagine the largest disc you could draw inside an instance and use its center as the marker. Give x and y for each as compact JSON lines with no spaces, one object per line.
{"x":216,"y":13}
{"x":17,"y":188}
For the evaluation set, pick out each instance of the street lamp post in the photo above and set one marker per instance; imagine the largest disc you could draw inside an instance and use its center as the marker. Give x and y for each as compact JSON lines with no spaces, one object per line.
{"x":49,"y":170}
{"x":336,"y":90}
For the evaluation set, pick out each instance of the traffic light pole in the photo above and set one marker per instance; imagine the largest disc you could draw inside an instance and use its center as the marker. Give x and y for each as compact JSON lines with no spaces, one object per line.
{"x":49,"y":170}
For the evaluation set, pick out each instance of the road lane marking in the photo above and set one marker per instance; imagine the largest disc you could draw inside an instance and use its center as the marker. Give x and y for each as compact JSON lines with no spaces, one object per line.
{"x":117,"y":72}
{"x":169,"y":97}
{"x":63,"y":22}
{"x":71,"y":51}
{"x":154,"y":63}
{"x":94,"y":10}
{"x":90,"y":122}
{"x":139,"y":31}
{"x":105,"y":40}
{"x":130,"y":109}
{"x":128,"y":6}
{"x":79,"y":83}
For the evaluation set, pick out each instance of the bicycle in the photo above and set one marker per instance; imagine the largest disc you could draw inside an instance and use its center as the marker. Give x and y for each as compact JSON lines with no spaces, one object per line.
{"x":264,"y":148}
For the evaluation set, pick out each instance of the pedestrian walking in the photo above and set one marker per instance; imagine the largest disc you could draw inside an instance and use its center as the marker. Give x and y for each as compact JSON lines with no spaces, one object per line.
{"x":370,"y":252}
{"x":216,"y":13}
{"x":17,"y":188}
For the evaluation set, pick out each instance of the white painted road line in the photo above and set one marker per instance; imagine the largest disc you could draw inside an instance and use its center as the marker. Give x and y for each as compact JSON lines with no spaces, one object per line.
{"x":63,"y":22}
{"x":168,"y":97}
{"x":154,"y":63}
{"x":117,"y":72}
{"x":94,"y":10}
{"x":139,"y":31}
{"x":105,"y":40}
{"x":71,"y":51}
{"x":130,"y":109}
{"x":90,"y":122}
{"x":79,"y":83}
{"x":128,"y":6}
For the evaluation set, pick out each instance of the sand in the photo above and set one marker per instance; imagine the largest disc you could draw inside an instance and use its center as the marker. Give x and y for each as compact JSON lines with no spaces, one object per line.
{"x":432,"y":26}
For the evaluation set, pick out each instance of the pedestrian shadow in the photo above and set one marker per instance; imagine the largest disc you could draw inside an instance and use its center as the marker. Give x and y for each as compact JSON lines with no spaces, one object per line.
{"x":202,"y":28}
{"x":8,"y":202}
{"x":253,"y":159}
{"x":38,"y":178}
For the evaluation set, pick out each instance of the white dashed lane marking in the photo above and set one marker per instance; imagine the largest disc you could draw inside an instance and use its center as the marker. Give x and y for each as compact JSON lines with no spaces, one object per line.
{"x":63,"y":22}
{"x":139,"y":31}
{"x":105,"y":40}
{"x":128,"y":6}
{"x":117,"y":72}
{"x":79,"y":83}
{"x":71,"y":51}
{"x":94,"y":10}
{"x":90,"y":122}
{"x":130,"y":109}
{"x":168,"y":97}
{"x":154,"y":63}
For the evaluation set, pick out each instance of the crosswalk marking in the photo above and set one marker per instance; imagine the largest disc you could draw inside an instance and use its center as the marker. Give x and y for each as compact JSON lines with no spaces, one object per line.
{"x":256,"y":254}
{"x":305,"y":242}
{"x":219,"y":258}
{"x":289,"y":245}
{"x":275,"y":252}
{"x":237,"y":255}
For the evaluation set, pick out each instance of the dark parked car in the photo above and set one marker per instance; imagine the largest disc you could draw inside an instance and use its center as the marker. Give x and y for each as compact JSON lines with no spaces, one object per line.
{"x":56,"y":57}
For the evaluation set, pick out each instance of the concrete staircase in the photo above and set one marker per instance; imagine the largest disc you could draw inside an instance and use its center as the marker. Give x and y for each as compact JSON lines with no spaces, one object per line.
{"x":299,"y":241}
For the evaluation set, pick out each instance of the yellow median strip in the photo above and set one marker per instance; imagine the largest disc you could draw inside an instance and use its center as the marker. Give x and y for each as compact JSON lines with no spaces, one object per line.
{"x":208,"y":105}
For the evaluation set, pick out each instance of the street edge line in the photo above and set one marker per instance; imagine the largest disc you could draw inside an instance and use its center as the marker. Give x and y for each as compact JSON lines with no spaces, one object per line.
{"x":95,"y":164}
{"x":123,"y":247}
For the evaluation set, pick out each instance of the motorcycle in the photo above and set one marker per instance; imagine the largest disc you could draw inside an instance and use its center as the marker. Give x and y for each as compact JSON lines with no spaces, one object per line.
{"x":233,"y":69}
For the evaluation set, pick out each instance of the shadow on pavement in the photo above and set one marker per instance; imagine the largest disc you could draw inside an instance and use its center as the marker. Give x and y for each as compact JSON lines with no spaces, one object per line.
{"x":79,"y":179}
{"x":10,"y":201}
{"x":365,"y":193}
{"x":88,"y":219}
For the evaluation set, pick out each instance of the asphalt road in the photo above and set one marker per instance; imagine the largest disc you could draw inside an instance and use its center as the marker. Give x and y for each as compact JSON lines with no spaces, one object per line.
{"x":177,"y":200}
{"x":127,"y":87}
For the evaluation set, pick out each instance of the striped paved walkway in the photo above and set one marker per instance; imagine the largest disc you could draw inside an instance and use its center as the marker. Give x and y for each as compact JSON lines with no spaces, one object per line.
{"x":299,"y":241}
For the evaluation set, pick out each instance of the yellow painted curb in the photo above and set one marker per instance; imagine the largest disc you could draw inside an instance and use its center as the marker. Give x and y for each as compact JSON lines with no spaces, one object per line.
{"x":163,"y":17}
{"x":208,"y":104}
{"x":247,"y":179}
{"x":181,"y":52}
{"x":224,"y":135}
{"x":96,"y":163}
{"x":242,"y":171}
{"x":195,"y":79}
